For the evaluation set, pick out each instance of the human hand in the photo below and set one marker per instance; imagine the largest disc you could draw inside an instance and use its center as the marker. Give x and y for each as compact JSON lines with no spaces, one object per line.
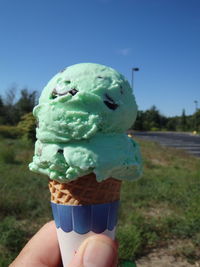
{"x":43,"y":251}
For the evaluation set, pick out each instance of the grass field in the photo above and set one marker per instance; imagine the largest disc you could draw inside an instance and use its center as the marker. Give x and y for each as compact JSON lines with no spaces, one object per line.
{"x":162,"y":207}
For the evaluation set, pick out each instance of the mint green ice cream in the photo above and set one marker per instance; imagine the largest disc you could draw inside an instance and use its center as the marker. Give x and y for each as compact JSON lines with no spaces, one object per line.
{"x":83,"y":114}
{"x":82,"y":100}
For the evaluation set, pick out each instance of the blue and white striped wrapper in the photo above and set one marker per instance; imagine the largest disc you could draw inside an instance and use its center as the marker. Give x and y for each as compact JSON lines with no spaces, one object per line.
{"x":75,"y":223}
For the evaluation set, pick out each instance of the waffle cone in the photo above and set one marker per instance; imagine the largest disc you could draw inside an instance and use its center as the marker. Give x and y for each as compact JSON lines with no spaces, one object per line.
{"x":85,"y":190}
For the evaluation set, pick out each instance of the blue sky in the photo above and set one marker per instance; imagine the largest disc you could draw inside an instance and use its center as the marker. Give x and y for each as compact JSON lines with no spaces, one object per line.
{"x":162,"y":37}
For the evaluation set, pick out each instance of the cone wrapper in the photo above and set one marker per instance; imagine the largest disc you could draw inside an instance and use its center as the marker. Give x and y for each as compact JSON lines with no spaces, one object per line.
{"x":75,"y":223}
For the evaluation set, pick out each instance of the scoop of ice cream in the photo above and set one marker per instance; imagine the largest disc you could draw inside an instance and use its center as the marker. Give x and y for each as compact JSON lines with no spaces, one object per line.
{"x":106,"y":155}
{"x":82,"y":100}
{"x":83,"y":114}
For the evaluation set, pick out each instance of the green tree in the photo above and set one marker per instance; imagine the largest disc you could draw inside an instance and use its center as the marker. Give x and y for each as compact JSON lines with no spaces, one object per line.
{"x":14,"y":110}
{"x":139,"y":123}
{"x":11,"y":116}
{"x":2,"y":111}
{"x":196,"y":118}
{"x":152,"y":119}
{"x":26,"y":102}
{"x":27,"y":126}
{"x":172,"y":123}
{"x":183,"y":121}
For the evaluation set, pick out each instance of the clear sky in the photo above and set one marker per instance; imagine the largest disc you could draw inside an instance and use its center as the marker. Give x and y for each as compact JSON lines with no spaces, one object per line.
{"x":38,"y":38}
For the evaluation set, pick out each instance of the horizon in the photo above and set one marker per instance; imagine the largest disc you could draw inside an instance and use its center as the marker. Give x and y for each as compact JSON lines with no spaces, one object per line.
{"x":162,"y":39}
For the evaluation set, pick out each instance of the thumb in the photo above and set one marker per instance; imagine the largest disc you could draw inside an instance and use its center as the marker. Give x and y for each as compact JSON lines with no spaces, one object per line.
{"x":98,"y":251}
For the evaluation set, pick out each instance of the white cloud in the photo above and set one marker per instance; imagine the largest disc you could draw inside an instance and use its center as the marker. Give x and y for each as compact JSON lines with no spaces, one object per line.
{"x":124,"y":51}
{"x":104,"y":1}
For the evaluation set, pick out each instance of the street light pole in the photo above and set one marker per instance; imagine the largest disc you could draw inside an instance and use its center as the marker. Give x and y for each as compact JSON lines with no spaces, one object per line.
{"x":195,"y":117}
{"x":196,"y":104}
{"x":133,"y":69}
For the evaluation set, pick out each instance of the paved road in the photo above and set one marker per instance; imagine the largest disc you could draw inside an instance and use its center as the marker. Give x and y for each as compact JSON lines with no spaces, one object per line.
{"x":188,"y":142}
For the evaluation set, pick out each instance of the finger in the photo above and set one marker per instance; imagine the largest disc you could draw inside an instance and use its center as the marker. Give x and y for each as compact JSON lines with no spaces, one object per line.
{"x":98,"y":251}
{"x":42,"y":250}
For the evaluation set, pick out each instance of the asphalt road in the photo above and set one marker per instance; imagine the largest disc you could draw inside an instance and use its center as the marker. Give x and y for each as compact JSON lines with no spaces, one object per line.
{"x":188,"y":142}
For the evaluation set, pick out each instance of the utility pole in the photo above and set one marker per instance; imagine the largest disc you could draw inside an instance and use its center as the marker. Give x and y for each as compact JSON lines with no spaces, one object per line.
{"x":195,"y":117}
{"x":196,"y":104}
{"x":133,"y":69}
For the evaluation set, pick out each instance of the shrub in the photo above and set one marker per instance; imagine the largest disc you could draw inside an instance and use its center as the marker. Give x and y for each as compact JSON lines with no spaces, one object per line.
{"x":8,"y":131}
{"x":154,"y":129}
{"x":7,"y":155}
{"x":27,"y":126}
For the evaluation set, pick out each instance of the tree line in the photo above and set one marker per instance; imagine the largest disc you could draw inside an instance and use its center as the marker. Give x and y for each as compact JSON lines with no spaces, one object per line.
{"x":16,"y":118}
{"x":18,"y":112}
{"x":13,"y":109}
{"x":153,"y":120}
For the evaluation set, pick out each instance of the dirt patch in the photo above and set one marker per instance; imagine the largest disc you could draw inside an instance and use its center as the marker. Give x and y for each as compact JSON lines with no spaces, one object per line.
{"x":160,"y":258}
{"x":159,"y":162}
{"x":158,"y":212}
{"x":166,"y":257}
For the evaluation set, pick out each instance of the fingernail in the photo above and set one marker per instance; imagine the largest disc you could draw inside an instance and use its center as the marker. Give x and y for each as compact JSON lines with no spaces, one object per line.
{"x":98,"y":254}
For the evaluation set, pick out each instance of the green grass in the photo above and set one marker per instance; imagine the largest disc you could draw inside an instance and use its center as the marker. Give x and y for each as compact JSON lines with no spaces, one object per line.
{"x":24,"y":201}
{"x":163,"y":206}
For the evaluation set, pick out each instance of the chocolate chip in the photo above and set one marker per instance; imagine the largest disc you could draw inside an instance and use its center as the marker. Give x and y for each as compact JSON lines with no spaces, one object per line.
{"x":109,"y":98}
{"x":63,"y":70}
{"x":67,"y":82}
{"x":60,"y":151}
{"x":54,"y":93}
{"x":110,"y":103}
{"x":73,"y":91}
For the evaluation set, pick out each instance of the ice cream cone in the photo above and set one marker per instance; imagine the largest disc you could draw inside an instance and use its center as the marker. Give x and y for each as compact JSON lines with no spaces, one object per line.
{"x":82,"y":208}
{"x":85,"y":190}
{"x":83,"y":115}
